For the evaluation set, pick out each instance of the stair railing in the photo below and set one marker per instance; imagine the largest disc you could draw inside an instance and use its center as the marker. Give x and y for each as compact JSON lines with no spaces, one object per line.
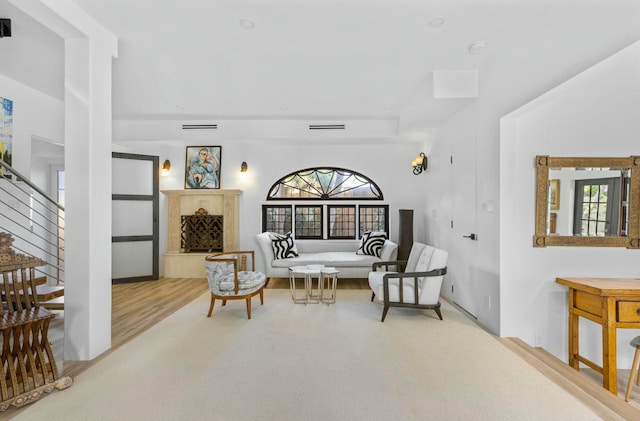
{"x":34,"y":219}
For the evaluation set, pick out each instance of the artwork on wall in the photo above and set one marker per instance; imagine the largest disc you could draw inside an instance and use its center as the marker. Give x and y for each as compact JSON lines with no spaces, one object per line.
{"x":202,"y":167}
{"x":553,"y":220}
{"x":554,"y":194}
{"x":6,"y":122}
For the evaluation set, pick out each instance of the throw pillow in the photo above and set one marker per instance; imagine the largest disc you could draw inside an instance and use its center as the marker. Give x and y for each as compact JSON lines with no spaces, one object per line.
{"x":371,"y":243}
{"x":283,"y":246}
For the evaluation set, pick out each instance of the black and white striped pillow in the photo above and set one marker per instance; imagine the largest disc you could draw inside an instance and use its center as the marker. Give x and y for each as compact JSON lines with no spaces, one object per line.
{"x":283,"y":246}
{"x":371,"y":243}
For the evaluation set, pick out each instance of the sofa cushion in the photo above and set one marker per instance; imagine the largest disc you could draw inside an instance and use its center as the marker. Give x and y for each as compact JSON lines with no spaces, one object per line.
{"x":330,"y":258}
{"x":371,"y":243}
{"x":283,"y":246}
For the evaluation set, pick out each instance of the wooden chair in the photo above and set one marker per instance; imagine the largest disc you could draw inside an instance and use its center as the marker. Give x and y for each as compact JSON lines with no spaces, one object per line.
{"x":229,"y":280}
{"x":417,"y":287}
{"x":635,"y":342}
{"x":29,"y":366}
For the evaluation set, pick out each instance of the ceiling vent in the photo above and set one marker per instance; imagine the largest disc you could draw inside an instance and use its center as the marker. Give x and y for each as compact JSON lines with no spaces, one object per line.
{"x":326,"y":126}
{"x":199,"y":126}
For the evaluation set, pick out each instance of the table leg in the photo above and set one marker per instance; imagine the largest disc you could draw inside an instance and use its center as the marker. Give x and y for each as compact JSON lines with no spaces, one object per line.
{"x":609,"y":363}
{"x":294,"y":294}
{"x":311,"y":298}
{"x":574,"y":332}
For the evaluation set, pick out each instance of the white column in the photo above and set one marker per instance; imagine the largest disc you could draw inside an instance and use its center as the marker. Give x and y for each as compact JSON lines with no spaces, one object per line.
{"x":89,"y":49}
{"x":87,"y":322}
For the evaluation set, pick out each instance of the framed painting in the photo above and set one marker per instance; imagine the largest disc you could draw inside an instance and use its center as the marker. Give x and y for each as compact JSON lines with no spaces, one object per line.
{"x":554,"y":194}
{"x":6,"y":123}
{"x":202,"y":167}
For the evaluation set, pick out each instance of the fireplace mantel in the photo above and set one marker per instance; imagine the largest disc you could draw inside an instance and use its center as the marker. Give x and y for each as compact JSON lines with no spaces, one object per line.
{"x":225,"y":202}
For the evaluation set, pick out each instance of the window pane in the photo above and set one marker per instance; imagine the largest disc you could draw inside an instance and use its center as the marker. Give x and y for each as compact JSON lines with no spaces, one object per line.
{"x":602,"y":211}
{"x":308,"y":222}
{"x":342,"y":221}
{"x":585,"y":227}
{"x":603,"y":191}
{"x":374,"y":218}
{"x":593,"y":212}
{"x":277,"y":219}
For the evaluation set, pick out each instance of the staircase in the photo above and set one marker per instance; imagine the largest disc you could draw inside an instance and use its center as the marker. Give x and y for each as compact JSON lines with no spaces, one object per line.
{"x":36,"y":223}
{"x":587,"y":388}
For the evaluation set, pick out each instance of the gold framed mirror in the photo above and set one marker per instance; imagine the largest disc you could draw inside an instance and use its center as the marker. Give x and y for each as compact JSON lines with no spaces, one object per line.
{"x":587,"y":202}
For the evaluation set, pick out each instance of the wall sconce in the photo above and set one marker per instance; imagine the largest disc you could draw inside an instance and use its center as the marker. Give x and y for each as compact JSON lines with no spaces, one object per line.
{"x":166,"y":166}
{"x":243,"y":167}
{"x":419,"y":163}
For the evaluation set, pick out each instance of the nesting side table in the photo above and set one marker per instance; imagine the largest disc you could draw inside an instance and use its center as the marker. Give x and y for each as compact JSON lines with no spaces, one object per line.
{"x":328,"y":277}
{"x":307,"y":274}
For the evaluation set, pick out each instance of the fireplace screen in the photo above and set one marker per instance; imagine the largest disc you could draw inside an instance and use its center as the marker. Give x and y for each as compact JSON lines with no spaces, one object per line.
{"x":201,"y":233}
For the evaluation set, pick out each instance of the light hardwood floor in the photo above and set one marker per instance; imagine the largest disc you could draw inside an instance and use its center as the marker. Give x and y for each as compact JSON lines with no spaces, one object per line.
{"x":138,"y":306}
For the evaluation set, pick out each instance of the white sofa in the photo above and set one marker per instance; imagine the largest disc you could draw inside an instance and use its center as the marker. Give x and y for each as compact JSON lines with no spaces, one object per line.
{"x":340,"y":254}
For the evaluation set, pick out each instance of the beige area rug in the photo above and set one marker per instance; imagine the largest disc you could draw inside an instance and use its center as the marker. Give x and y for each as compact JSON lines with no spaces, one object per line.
{"x":314,"y":362}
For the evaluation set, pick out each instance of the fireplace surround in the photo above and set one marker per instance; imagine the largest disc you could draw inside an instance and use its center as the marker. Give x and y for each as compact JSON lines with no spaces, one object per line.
{"x":181,"y":202}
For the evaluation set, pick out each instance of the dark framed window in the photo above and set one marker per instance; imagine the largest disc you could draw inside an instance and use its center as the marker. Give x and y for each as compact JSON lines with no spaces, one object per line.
{"x":325,"y":183}
{"x":320,"y":184}
{"x":373,"y":218}
{"x":277,"y":218}
{"x":342,"y":221}
{"x":308,"y":221}
{"x":596,"y":208}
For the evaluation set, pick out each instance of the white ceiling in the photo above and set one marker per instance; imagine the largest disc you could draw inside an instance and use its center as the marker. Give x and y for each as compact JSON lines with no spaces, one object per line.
{"x":317,"y":59}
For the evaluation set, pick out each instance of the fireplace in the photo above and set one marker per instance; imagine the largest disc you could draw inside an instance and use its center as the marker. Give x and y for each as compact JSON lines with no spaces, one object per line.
{"x":218,"y":230}
{"x":201,"y":232}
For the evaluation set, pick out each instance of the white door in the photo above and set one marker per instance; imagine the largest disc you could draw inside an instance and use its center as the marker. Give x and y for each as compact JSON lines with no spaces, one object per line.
{"x":134,"y":241}
{"x":463,"y":266}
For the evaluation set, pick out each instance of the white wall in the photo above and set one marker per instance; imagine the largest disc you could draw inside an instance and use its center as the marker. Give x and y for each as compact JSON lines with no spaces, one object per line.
{"x":386,"y":162}
{"x":504,"y":88}
{"x":34,"y":115}
{"x":594,"y":114}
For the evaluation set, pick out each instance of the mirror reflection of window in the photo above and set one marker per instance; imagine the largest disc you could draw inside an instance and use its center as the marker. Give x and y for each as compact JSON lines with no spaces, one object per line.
{"x":593,"y":202}
{"x":597,"y":207}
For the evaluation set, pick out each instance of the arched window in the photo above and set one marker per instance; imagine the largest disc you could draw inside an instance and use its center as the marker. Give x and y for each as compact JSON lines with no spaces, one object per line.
{"x":324,"y":183}
{"x":317,"y":221}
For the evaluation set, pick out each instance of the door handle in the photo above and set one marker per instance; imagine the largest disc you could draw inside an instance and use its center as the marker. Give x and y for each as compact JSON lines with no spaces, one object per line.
{"x":471,"y":236}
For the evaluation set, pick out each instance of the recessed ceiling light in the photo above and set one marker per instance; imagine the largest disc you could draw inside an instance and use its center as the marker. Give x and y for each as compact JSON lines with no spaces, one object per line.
{"x":436,"y":22}
{"x":477,"y":47}
{"x":247,"y":23}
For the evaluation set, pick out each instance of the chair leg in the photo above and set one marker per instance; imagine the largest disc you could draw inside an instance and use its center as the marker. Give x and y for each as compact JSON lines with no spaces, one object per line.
{"x":373,"y":295}
{"x":438,"y":313}
{"x":262,"y":297}
{"x":634,"y":370}
{"x":384,"y":312}
{"x":249,"y":308}
{"x":224,"y":302}
{"x":213,"y":301}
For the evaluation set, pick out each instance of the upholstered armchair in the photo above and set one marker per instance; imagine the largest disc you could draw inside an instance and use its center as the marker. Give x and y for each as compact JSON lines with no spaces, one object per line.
{"x":229,"y":279}
{"x":417,"y":287}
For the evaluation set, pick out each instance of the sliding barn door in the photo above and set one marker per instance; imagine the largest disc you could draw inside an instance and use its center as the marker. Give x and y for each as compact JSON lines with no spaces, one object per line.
{"x":134,"y":242}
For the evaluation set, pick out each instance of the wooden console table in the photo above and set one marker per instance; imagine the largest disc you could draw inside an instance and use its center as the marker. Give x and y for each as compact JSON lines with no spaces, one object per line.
{"x":611,"y":302}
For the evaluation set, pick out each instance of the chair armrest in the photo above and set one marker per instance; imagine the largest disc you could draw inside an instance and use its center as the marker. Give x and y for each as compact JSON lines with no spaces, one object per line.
{"x":414,"y":275}
{"x":387,"y":263}
{"x":241,"y":253}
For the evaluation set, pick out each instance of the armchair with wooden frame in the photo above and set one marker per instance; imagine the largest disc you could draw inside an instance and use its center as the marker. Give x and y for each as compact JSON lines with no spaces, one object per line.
{"x":418,"y":286}
{"x":229,"y":280}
